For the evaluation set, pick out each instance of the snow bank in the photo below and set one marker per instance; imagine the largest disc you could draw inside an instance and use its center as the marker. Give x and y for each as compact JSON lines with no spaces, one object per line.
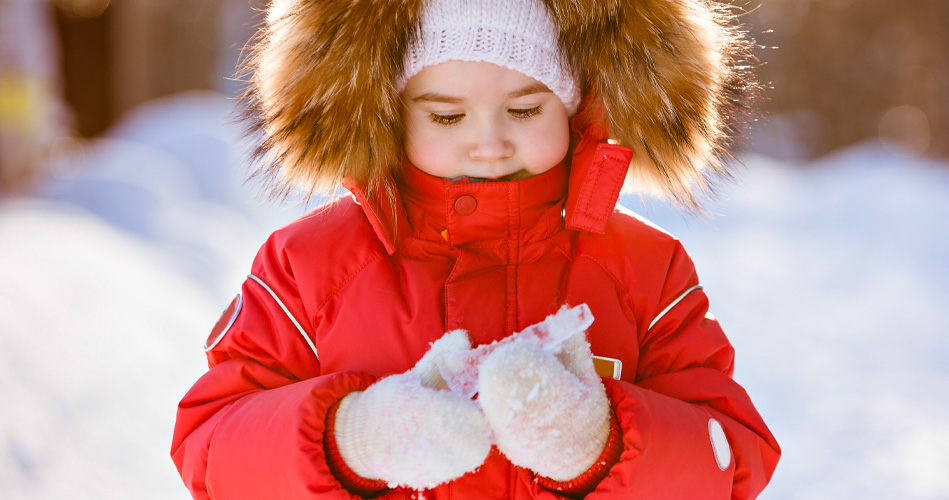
{"x":173,"y":173}
{"x":829,"y":278}
{"x":116,"y":271}
{"x":99,"y":339}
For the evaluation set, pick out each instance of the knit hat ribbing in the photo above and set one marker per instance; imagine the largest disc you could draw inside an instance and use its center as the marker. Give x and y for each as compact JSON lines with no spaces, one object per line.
{"x":515,"y":34}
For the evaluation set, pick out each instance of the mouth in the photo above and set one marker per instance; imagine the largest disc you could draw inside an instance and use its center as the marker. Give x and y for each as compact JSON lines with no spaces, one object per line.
{"x":520,"y":174}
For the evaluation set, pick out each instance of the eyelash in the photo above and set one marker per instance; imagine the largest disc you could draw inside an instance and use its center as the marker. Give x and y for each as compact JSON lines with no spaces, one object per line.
{"x":446,"y":119}
{"x":519,"y":114}
{"x":524,"y":114}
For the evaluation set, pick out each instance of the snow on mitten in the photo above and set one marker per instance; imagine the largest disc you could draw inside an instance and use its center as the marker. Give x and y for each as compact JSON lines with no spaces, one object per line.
{"x":549,"y":412}
{"x":407,"y":432}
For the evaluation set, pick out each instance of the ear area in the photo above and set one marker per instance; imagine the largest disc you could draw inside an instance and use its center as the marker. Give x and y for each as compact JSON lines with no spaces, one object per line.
{"x":670,"y":79}
{"x":321,"y":91}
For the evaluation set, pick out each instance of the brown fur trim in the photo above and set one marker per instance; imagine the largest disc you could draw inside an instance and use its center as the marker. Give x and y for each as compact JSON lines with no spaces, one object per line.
{"x":669,"y":78}
{"x":322,"y":93}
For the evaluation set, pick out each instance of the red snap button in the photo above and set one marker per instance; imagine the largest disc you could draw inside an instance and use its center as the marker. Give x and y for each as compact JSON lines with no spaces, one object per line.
{"x":465,"y":204}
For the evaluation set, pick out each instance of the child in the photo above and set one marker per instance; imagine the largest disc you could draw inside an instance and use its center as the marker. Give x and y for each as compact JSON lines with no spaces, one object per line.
{"x":485,"y":143}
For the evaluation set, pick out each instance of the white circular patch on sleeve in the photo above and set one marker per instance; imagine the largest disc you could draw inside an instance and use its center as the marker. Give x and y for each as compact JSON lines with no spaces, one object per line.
{"x":720,"y":447}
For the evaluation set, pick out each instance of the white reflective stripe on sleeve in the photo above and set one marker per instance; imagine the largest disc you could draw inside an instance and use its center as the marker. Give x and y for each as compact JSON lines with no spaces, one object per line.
{"x":673,"y":304}
{"x":287,"y":312}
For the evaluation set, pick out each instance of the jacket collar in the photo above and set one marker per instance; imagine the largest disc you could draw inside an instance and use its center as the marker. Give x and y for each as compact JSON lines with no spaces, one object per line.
{"x":484,"y":214}
{"x":429,"y":208}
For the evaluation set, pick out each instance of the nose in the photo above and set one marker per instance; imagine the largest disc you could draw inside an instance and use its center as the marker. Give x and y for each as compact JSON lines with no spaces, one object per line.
{"x":491,"y":143}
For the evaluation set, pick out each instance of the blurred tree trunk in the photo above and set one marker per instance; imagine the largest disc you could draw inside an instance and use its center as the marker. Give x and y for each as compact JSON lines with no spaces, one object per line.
{"x":161,"y":48}
{"x":87,"y":65}
{"x":130,"y":51}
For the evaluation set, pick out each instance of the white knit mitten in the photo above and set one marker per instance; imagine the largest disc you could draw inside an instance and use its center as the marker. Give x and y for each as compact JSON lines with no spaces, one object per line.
{"x":549,"y":413}
{"x":406,"y":431}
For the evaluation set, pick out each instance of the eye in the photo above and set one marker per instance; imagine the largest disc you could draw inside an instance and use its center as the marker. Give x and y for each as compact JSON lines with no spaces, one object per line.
{"x":525,"y":113}
{"x":446,"y":119}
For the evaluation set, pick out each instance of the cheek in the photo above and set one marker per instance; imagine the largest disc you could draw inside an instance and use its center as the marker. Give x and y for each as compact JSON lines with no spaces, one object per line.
{"x":548,"y":147}
{"x":426,"y":151}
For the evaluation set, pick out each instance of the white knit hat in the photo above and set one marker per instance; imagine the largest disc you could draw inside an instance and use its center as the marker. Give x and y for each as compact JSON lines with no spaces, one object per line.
{"x":515,"y":34}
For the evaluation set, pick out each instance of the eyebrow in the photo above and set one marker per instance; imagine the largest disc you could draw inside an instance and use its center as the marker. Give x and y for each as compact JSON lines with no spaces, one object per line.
{"x":534,"y":88}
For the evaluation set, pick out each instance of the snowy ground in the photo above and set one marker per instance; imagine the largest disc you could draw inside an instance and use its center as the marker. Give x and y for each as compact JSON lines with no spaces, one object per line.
{"x":829,"y":278}
{"x":830,"y":281}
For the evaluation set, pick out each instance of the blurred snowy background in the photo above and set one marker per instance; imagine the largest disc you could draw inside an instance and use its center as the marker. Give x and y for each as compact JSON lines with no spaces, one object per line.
{"x":126,"y":227}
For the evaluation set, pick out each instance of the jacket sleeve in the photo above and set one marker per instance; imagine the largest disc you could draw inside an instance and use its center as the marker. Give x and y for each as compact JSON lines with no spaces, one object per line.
{"x":253,"y":426}
{"x":683,"y":383}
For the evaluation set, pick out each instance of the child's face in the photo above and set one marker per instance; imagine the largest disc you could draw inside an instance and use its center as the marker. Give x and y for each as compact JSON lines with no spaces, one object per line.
{"x":479,"y":119}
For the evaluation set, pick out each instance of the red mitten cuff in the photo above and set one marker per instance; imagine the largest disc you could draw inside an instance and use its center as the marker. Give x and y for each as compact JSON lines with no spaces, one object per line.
{"x":587,"y":482}
{"x":353,"y":482}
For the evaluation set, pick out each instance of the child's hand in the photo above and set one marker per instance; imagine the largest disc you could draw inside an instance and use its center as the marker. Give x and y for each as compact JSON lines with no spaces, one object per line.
{"x":549,"y":413}
{"x":406,"y":431}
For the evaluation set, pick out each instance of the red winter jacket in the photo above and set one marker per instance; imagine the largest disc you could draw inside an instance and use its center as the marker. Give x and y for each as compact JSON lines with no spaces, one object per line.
{"x":357,"y":290}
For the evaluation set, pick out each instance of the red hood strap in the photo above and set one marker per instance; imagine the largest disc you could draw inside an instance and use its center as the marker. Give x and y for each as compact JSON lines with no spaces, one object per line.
{"x":597,"y":174}
{"x":386,"y":214}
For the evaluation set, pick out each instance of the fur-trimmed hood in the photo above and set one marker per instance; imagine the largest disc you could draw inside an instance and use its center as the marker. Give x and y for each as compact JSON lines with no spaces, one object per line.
{"x":668,"y":78}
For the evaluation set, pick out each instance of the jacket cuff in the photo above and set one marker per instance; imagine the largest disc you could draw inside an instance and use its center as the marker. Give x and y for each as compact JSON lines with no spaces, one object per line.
{"x":588,"y":481}
{"x":353,"y":482}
